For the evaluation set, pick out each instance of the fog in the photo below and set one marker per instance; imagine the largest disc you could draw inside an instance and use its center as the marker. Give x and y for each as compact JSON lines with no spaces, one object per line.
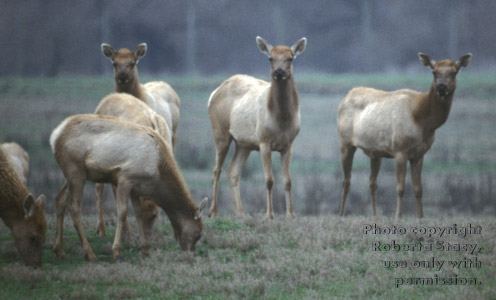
{"x":56,"y":37}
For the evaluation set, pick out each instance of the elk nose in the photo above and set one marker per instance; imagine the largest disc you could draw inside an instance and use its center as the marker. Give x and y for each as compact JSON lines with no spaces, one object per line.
{"x":442,"y":89}
{"x":279,"y":73}
{"x":122,"y":76}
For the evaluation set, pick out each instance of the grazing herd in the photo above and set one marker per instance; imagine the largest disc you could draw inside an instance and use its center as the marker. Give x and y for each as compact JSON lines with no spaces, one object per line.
{"x":129,"y":142}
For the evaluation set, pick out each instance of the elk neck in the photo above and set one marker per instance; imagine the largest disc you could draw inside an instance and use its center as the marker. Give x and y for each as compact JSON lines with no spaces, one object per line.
{"x":432,"y":110}
{"x":133,"y":87}
{"x":283,"y":99}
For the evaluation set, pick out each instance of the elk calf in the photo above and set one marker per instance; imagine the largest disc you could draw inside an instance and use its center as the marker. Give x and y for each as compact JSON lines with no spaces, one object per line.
{"x":135,"y":159}
{"x":399,"y":124}
{"x":127,"y":107}
{"x":157,"y":94}
{"x":257,"y":115}
{"x":22,"y":214}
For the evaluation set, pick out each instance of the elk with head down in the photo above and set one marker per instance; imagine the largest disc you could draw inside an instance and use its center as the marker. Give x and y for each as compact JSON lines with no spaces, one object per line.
{"x":399,"y":124}
{"x":127,"y":107}
{"x":159,"y":95}
{"x":257,"y":115}
{"x":24,"y":215}
{"x":134,"y":158}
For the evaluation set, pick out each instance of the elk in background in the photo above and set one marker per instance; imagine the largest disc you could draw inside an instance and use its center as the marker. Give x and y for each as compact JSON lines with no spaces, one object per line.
{"x":260,"y":116}
{"x":135,"y":159}
{"x":127,"y":107}
{"x":157,"y":94}
{"x":399,"y":124}
{"x":22,"y":214}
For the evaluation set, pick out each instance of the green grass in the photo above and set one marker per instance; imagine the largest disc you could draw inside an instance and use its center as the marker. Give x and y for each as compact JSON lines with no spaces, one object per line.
{"x":306,"y":258}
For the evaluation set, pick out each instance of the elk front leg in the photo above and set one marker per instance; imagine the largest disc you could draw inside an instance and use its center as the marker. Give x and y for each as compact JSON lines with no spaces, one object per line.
{"x":269,"y":179}
{"x":100,"y":229}
{"x":375,"y":166}
{"x":416,"y":171}
{"x":285,"y":162}
{"x":138,"y":213}
{"x":400,"y":159}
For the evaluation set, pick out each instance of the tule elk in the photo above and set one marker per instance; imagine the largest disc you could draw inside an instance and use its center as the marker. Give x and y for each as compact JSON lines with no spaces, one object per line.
{"x":399,"y":124}
{"x":135,"y":159}
{"x":260,"y":116}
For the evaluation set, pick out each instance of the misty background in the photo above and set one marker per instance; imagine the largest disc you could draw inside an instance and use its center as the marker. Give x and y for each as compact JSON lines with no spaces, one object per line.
{"x":56,"y":37}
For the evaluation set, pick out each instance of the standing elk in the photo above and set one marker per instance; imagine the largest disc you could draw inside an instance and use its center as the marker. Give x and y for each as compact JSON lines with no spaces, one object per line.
{"x":157,"y":94}
{"x":22,"y":214}
{"x":127,"y":107}
{"x":257,"y":115}
{"x":399,"y":124}
{"x":18,"y":158}
{"x":135,"y":159}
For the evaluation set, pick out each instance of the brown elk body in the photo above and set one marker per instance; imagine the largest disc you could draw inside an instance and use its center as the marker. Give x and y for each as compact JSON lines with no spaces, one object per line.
{"x":127,"y":107}
{"x":160,"y":96}
{"x":257,"y":115}
{"x":18,"y":158}
{"x":399,"y":124}
{"x":134,"y":158}
{"x":22,"y":214}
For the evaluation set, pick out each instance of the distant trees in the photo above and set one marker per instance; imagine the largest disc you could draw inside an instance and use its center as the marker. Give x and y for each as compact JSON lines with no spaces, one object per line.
{"x":55,"y":37}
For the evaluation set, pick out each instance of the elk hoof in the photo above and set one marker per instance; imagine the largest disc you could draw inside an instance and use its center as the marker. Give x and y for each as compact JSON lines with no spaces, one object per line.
{"x":119,"y":260}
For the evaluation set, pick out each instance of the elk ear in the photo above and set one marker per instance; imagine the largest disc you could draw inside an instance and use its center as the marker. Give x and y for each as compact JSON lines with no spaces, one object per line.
{"x":140,"y":51}
{"x":426,"y":60}
{"x":299,"y":47}
{"x":463,"y":61}
{"x":264,"y":46}
{"x":108,"y":51}
{"x":29,"y":205}
{"x":41,"y":201}
{"x":203,"y":205}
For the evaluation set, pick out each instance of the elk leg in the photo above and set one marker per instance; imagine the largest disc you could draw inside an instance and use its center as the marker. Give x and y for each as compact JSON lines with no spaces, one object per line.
{"x":400,"y":159}
{"x":233,"y":173}
{"x":138,"y":213}
{"x":269,"y":179}
{"x":99,"y":207}
{"x":285,"y":163}
{"x":60,"y":207}
{"x":123,"y":190}
{"x":76,"y":192}
{"x":221,"y":150}
{"x":347,"y":153}
{"x":375,"y":166}
{"x":416,"y":171}
{"x":127,"y":226}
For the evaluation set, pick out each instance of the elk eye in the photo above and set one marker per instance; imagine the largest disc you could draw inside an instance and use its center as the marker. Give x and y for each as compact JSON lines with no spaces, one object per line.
{"x":114,"y":64}
{"x":289,"y":59}
{"x":34,"y":239}
{"x":131,"y":65}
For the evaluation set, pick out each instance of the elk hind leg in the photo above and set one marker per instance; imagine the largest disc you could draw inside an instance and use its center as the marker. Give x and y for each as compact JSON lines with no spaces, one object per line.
{"x":347,"y":153}
{"x":375,"y":166}
{"x":233,"y":173}
{"x":222,"y":147}
{"x":416,"y":171}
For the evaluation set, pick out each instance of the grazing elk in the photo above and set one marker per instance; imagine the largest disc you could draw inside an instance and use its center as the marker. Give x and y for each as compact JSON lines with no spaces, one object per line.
{"x":22,"y":214}
{"x":18,"y":158}
{"x":135,"y":159}
{"x":127,"y":107}
{"x":157,"y":94}
{"x":399,"y":124}
{"x":257,"y":115}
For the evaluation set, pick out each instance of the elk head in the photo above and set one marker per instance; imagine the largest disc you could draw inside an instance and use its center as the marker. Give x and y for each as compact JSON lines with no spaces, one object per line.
{"x":190,"y":232}
{"x":29,"y":233}
{"x":281,"y":57}
{"x":124,"y":62}
{"x":444,"y":72}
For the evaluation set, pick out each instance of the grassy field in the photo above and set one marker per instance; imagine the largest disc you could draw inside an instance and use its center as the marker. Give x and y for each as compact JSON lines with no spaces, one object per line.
{"x":459,"y":173}
{"x":316,"y":256}
{"x":307,"y":258}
